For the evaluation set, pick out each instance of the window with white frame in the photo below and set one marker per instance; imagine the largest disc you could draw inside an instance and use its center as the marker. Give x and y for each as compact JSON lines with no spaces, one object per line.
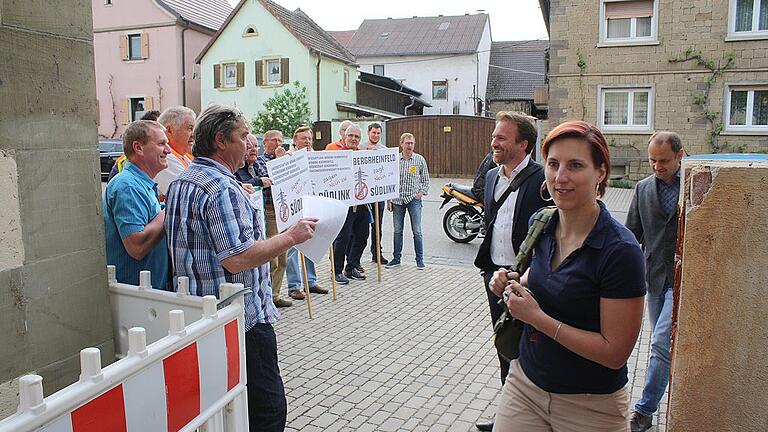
{"x":230,"y":75}
{"x":748,"y":18}
{"x":440,"y":89}
{"x":747,"y":108}
{"x":134,"y":47}
{"x":273,"y":71}
{"x":628,"y":21}
{"x":345,"y":83}
{"x":626,"y":109}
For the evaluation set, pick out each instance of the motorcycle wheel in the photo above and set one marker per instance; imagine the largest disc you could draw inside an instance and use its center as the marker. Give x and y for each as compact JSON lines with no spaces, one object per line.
{"x":453,"y":220}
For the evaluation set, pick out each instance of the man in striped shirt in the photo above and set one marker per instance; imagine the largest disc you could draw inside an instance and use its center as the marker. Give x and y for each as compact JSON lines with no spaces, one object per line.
{"x":215,"y":236}
{"x":414,"y":184}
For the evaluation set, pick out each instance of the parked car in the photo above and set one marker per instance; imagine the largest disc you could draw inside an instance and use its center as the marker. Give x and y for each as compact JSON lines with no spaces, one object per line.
{"x":109,"y":151}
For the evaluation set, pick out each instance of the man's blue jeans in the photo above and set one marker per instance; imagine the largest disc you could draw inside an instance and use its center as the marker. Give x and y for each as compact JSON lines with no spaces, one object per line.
{"x":414,"y":214}
{"x":657,"y":375}
{"x":293,"y":271}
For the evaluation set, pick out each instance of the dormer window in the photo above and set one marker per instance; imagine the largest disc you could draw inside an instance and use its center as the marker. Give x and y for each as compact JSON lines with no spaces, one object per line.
{"x":250,"y":31}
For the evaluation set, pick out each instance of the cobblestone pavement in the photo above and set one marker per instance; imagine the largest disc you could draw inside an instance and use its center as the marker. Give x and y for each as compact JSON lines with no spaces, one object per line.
{"x":411,"y":353}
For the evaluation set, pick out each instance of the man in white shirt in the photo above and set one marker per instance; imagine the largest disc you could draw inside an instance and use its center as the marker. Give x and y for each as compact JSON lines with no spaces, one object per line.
{"x":179,"y":124}
{"x":512,"y":195}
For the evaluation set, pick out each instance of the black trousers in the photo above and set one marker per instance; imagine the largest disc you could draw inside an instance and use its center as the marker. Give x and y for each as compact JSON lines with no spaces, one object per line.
{"x":351,"y":241}
{"x":496,"y":311}
{"x":373,"y":228}
{"x":267,"y":407}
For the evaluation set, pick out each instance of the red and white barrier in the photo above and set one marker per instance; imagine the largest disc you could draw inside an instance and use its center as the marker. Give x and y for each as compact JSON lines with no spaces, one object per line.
{"x":142,"y":306}
{"x":192,"y":378}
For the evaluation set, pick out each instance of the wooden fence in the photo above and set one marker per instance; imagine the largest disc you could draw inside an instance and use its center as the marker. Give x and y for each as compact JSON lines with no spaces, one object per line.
{"x":453,"y":145}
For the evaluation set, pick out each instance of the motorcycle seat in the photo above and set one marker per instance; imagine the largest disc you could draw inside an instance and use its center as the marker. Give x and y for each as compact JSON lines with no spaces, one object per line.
{"x":466,"y":190}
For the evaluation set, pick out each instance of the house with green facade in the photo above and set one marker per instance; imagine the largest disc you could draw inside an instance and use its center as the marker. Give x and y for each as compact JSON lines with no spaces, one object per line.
{"x":262,"y":48}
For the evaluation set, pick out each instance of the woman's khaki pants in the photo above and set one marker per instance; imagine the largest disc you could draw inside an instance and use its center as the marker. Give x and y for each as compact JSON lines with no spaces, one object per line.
{"x":524,"y":407}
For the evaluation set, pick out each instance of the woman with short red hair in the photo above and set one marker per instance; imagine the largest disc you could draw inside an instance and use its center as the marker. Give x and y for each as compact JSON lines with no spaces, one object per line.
{"x":581,"y":300}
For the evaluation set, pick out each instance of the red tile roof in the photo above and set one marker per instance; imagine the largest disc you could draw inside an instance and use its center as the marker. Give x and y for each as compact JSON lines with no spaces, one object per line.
{"x":343,"y":37}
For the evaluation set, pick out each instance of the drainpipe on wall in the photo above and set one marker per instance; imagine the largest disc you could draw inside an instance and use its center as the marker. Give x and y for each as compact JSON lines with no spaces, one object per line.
{"x":318,"y":84}
{"x":477,"y":82}
{"x":413,"y":102}
{"x":183,"y":65}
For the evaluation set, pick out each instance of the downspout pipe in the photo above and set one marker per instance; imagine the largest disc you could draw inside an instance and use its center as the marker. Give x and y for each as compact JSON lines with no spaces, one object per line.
{"x":317,"y":79}
{"x":183,"y":65}
{"x":413,"y":102}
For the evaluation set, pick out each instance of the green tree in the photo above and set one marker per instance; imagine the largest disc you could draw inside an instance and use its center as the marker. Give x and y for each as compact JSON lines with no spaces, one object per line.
{"x":285,"y":111}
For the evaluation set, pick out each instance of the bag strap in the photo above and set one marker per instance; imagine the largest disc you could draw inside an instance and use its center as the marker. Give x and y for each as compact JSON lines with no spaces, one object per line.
{"x":534,"y":233}
{"x":516,"y":183}
{"x":540,"y":220}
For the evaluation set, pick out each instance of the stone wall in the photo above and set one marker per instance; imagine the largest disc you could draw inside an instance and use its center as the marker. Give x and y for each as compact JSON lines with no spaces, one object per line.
{"x":702,"y":24}
{"x":720,"y":343}
{"x":53,"y":297}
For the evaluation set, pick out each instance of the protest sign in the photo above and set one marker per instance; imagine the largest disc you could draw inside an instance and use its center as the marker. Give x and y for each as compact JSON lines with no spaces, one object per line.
{"x":289,"y":183}
{"x":330,"y":173}
{"x":376,"y":175}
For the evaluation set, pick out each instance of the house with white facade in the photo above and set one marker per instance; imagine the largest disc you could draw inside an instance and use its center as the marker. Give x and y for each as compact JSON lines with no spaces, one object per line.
{"x":444,"y":57}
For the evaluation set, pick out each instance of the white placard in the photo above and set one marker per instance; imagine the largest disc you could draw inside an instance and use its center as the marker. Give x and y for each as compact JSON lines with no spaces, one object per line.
{"x":376,"y":175}
{"x":330,"y":173}
{"x":331,"y":215}
{"x":290,"y":181}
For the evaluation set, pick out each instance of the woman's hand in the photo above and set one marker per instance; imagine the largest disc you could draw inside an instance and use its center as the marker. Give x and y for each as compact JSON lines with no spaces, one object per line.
{"x":500,"y":280}
{"x":521,"y":303}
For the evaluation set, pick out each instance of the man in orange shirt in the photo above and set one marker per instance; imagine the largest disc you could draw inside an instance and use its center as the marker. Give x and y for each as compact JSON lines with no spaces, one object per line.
{"x":179,"y":123}
{"x":339,"y":145}
{"x":353,"y":237}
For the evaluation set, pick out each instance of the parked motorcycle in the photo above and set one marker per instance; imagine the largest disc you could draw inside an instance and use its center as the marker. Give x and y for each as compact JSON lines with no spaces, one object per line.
{"x":463,"y":222}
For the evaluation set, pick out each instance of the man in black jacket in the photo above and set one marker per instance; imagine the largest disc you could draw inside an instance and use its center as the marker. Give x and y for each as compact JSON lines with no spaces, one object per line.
{"x":512,"y":195}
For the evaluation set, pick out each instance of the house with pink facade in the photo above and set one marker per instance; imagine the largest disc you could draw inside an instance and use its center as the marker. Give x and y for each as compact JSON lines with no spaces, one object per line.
{"x":145,"y":54}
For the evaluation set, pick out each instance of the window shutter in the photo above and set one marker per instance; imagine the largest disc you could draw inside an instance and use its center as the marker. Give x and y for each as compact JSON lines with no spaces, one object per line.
{"x":259,"y":73}
{"x":126,"y":111}
{"x":241,"y":74}
{"x":145,"y":45}
{"x":148,"y":103}
{"x":629,"y":9}
{"x":284,"y":75}
{"x":217,"y":76}
{"x":124,"y":47}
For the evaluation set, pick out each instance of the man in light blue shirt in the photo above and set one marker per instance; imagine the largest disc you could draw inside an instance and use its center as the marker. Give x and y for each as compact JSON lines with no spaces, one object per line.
{"x":133,"y":216}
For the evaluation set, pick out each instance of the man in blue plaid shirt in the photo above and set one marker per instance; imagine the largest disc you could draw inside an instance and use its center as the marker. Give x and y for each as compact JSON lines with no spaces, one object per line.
{"x":215,"y":236}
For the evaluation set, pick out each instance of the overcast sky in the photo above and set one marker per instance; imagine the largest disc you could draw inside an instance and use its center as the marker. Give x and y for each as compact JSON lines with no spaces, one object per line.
{"x":510,"y":19}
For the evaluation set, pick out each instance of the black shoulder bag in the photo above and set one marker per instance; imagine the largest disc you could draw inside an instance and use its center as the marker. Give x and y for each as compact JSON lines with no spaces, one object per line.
{"x":507,"y":330}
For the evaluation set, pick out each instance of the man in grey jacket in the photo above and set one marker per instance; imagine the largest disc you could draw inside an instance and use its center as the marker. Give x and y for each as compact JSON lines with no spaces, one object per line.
{"x":653,"y":219}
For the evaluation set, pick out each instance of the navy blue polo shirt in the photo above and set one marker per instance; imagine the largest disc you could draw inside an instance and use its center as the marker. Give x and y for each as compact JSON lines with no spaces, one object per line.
{"x":610,"y":264}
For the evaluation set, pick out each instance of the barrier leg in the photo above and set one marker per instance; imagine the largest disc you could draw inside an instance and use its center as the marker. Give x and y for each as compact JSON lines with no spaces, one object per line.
{"x":236,"y":414}
{"x":215,"y":423}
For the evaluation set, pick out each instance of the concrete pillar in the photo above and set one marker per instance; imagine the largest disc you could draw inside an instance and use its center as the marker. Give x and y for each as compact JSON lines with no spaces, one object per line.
{"x":720,"y":339}
{"x":53,"y":295}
